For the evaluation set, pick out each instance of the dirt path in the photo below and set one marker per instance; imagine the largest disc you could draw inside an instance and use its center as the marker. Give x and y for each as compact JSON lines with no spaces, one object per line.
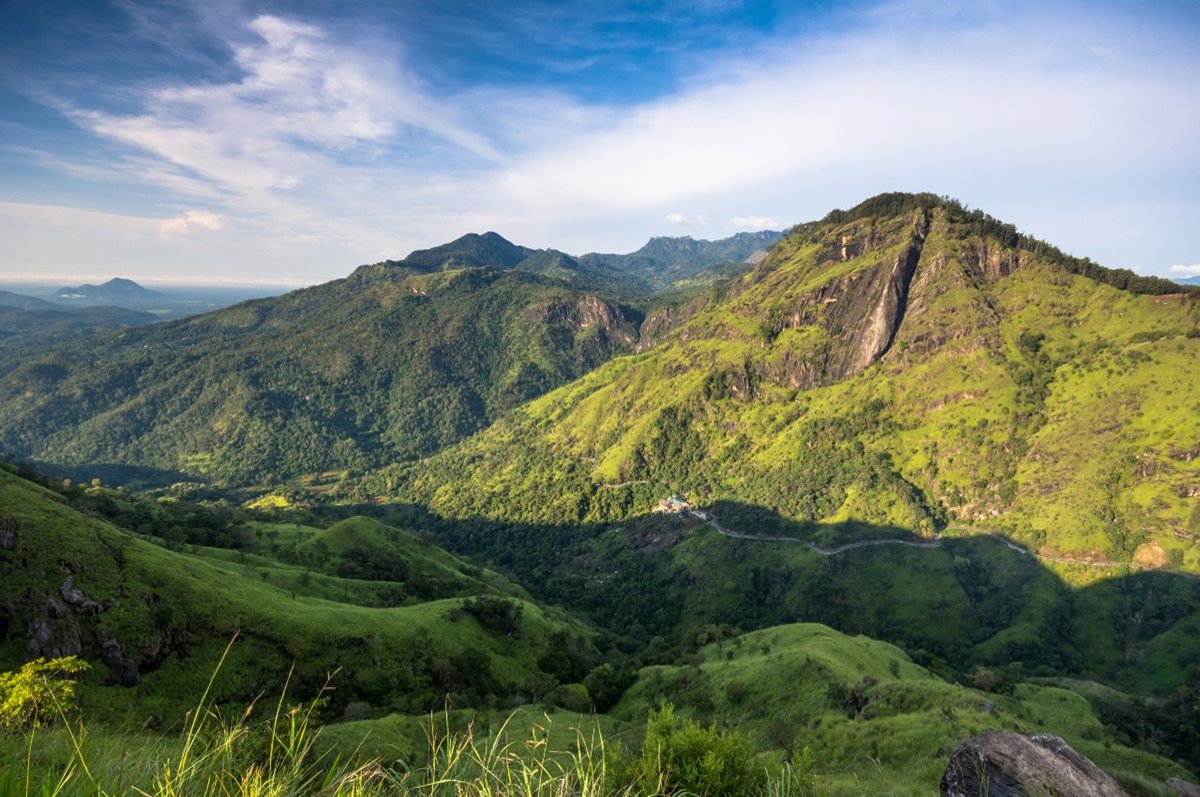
{"x":712,"y":520}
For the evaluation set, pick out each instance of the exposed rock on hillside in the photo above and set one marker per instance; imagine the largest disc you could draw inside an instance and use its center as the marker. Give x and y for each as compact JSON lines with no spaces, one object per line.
{"x":1013,"y":765}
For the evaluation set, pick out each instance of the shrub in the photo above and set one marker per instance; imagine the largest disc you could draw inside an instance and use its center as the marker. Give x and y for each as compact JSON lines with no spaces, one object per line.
{"x":681,"y":756}
{"x":38,"y":692}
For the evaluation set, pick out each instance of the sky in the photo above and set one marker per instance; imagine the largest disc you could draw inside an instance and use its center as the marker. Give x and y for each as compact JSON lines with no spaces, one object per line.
{"x":236,"y":141}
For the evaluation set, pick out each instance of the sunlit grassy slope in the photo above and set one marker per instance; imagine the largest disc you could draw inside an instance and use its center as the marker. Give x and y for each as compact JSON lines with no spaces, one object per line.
{"x":154,"y":621}
{"x":1013,"y":395}
{"x":870,"y":721}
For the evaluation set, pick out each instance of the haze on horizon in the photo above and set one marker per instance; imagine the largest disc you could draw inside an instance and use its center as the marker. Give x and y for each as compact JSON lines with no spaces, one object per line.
{"x":248,"y":141}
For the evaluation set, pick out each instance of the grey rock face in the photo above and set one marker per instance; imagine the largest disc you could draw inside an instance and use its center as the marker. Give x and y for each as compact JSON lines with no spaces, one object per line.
{"x":1011,"y":765}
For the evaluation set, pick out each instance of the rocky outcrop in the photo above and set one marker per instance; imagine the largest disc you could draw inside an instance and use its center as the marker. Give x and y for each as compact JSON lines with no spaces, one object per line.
{"x":859,"y":313}
{"x":586,"y":313}
{"x":53,"y":631}
{"x":8,"y":534}
{"x":1014,"y":765}
{"x":76,"y":597}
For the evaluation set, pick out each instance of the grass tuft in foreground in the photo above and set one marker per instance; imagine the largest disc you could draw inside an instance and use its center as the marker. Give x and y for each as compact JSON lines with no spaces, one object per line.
{"x":276,"y":757}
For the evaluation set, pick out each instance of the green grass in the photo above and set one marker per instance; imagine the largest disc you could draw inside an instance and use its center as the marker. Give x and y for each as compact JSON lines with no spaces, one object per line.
{"x":158,"y":616}
{"x":872,"y":721}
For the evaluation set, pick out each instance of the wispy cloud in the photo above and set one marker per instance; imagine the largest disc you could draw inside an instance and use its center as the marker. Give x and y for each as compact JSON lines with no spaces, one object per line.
{"x":191,"y":221}
{"x":316,"y":151}
{"x":302,"y":105}
{"x":754,"y":223}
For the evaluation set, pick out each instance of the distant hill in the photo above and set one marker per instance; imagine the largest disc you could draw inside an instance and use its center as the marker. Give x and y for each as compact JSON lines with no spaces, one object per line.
{"x":10,"y":299}
{"x":470,"y":251}
{"x":1192,"y":281}
{"x":30,"y":329}
{"x":665,"y":261}
{"x":116,"y":291}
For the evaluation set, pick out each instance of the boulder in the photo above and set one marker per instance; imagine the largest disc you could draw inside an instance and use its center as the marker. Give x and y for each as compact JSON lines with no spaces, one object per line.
{"x":1182,"y":788}
{"x":1011,"y":764}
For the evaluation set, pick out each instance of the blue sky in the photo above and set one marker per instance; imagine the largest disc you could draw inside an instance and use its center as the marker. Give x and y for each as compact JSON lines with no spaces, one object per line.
{"x":227,"y":140}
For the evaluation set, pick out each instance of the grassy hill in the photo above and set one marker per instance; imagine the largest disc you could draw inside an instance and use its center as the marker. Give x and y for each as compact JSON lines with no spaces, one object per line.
{"x":860,"y":717}
{"x":154,"y":620}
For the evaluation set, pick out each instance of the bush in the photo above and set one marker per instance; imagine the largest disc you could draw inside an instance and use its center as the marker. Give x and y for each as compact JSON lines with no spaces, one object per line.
{"x":38,"y":692}
{"x":572,"y":697}
{"x":495,"y":615}
{"x":681,"y":756}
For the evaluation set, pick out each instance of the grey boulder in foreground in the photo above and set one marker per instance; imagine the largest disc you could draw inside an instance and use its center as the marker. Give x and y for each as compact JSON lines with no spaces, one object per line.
{"x":1011,"y":764}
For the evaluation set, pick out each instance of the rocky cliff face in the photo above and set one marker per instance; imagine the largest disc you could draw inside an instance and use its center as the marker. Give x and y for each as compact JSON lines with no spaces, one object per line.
{"x":832,"y":302}
{"x":848,"y":321}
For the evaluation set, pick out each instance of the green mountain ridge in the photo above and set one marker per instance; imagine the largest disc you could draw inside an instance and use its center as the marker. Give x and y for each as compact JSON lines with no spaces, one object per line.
{"x":908,"y":369}
{"x":396,"y":361}
{"x":384,"y":365}
{"x":663,"y":263}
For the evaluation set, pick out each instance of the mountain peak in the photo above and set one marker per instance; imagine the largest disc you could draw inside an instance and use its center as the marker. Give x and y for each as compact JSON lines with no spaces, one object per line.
{"x":469,"y":251}
{"x":117,"y":290}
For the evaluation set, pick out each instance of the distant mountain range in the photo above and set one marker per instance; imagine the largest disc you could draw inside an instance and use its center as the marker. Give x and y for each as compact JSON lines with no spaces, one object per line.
{"x":116,"y":291}
{"x":661,"y":264}
{"x":21,"y":301}
{"x":867,"y":318}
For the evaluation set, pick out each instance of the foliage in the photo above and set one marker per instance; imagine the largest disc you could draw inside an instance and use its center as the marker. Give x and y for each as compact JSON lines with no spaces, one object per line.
{"x":155,"y":616}
{"x":38,"y":693}
{"x":683,"y":756}
{"x":496,"y":615}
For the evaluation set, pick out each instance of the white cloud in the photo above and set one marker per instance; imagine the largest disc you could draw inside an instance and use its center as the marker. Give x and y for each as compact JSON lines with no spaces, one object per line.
{"x":302,"y":104}
{"x":329,"y":153}
{"x":754,"y":223}
{"x":1185,"y":271}
{"x":684,"y":220}
{"x":191,"y":221}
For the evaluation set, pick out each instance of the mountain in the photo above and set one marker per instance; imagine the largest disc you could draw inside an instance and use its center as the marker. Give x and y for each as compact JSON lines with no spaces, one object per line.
{"x":20,"y":301}
{"x":1189,"y":281}
{"x":116,"y":291}
{"x":907,"y":363}
{"x":470,"y":251}
{"x":388,"y":364}
{"x":665,"y":261}
{"x":662,"y":263}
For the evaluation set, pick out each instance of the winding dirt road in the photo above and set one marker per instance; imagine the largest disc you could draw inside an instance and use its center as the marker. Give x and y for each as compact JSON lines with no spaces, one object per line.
{"x":936,"y":542}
